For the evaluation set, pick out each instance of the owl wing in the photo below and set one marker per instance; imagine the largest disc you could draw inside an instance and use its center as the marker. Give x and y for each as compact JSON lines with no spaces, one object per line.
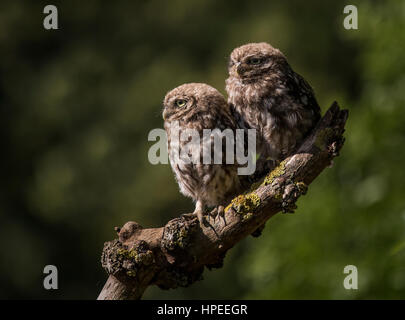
{"x":303,"y":93}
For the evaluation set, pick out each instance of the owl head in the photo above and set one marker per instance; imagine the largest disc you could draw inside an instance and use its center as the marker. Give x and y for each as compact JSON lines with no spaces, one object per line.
{"x":191,"y":99}
{"x":254,"y":59}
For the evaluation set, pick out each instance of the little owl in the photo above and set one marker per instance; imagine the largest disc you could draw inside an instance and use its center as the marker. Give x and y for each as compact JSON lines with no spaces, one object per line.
{"x":271,"y":98}
{"x":199,"y":106}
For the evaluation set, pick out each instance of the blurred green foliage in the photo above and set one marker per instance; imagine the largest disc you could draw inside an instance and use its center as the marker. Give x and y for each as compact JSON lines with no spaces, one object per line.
{"x":76,"y":106}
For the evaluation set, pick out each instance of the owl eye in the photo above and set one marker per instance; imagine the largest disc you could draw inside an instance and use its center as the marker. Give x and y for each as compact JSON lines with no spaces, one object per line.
{"x":180,"y":102}
{"x":254,"y":61}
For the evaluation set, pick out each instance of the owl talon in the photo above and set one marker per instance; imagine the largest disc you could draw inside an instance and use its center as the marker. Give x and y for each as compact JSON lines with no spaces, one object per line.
{"x":190,"y":216}
{"x":221,"y":212}
{"x":217,"y":212}
{"x":204,"y":222}
{"x":199,"y":212}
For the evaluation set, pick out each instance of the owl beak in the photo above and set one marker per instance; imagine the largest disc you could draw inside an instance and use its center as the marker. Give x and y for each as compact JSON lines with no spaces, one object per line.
{"x":233,"y":71}
{"x":164,"y":114}
{"x":238,"y":70}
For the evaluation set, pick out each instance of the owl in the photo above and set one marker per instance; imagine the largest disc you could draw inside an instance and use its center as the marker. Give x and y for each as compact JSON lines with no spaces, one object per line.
{"x":271,"y":98}
{"x":199,"y":107}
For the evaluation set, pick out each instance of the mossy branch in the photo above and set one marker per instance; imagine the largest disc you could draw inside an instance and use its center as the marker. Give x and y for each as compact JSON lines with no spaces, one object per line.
{"x":176,"y":254}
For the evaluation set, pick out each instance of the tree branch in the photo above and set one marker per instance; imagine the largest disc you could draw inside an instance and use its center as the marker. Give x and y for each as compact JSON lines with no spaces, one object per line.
{"x":176,"y":254}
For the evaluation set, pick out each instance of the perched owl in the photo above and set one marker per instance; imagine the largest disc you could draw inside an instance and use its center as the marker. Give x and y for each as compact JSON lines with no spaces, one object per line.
{"x":271,"y":98}
{"x":199,"y":106}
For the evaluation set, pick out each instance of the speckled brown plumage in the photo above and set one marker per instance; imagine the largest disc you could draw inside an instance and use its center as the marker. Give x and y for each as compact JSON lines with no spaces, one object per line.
{"x":201,"y":107}
{"x":271,"y":98}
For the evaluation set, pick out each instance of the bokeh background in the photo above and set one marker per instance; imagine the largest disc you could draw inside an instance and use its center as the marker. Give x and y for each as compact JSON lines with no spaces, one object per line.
{"x":77,"y":104}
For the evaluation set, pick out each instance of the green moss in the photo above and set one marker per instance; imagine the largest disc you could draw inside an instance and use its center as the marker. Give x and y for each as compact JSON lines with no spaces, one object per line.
{"x":123,"y":253}
{"x":133,"y":254}
{"x":228,"y":207}
{"x":278,"y":171}
{"x":302,"y":187}
{"x":245,"y":204}
{"x":142,"y":258}
{"x":247,"y":216}
{"x":118,"y":258}
{"x":182,"y":236}
{"x":134,"y":258}
{"x":131,"y":273}
{"x":177,"y":235}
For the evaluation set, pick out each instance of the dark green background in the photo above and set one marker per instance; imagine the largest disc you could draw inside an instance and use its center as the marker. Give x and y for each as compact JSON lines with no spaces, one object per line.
{"x":77,"y":104}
